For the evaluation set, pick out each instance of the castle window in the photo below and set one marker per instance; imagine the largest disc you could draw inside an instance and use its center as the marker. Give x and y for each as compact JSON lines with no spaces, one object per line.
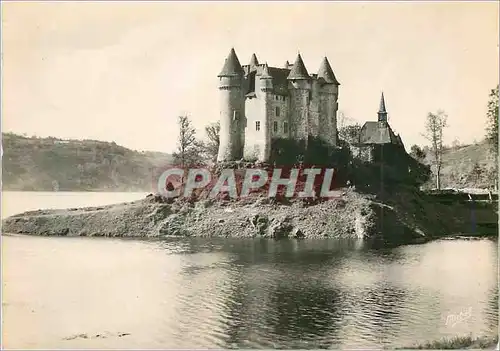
{"x":251,"y":85}
{"x":277,"y":111}
{"x":257,"y":125}
{"x":285,"y":127}
{"x":275,"y":127}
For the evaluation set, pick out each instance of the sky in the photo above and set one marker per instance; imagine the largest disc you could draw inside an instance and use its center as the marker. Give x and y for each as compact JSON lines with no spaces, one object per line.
{"x":124,"y":71}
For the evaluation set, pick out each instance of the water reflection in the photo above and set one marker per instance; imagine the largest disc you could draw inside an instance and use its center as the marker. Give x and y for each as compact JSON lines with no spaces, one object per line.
{"x":222,"y":293}
{"x":304,"y":314}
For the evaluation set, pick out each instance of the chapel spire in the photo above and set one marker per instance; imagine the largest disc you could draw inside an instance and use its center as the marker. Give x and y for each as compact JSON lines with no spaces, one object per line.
{"x":382,"y":113}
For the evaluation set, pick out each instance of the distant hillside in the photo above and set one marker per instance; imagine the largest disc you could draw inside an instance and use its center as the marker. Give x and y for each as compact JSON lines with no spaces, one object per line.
{"x":467,"y":166}
{"x":47,"y":164}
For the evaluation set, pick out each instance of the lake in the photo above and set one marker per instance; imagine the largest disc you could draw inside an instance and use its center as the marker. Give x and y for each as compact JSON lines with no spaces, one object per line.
{"x":248,"y":293}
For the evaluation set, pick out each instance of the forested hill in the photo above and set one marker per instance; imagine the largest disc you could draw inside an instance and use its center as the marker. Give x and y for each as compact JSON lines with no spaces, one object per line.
{"x":466,"y":166}
{"x":48,"y":164}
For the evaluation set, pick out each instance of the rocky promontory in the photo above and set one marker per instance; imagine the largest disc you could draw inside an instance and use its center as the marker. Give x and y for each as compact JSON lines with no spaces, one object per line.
{"x":408,"y":215}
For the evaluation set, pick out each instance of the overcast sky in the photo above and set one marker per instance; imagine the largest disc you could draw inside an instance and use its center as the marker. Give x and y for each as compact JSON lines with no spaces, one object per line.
{"x":124,"y":71}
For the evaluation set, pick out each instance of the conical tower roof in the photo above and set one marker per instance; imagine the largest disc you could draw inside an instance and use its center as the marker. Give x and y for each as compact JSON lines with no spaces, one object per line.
{"x":299,"y":70}
{"x":232,"y":66}
{"x":254,"y":61}
{"x":326,"y":72}
{"x":265,"y":73}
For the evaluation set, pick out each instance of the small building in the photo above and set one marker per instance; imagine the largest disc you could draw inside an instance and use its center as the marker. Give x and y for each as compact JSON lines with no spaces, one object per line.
{"x":374,"y":135}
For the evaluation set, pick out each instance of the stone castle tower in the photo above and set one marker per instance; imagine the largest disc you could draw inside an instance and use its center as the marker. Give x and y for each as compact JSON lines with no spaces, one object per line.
{"x":261,"y":103}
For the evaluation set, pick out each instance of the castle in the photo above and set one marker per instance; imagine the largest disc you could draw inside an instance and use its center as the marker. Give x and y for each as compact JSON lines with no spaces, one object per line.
{"x":261,"y":103}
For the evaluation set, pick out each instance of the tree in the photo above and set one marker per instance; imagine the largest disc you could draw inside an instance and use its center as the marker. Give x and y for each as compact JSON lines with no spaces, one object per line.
{"x":456,"y":144}
{"x":434,"y":127}
{"x":417,"y":153}
{"x":476,"y":173}
{"x":212,"y":145}
{"x":350,"y":133}
{"x":492,"y":128}
{"x":188,"y":148}
{"x":342,"y":119}
{"x":492,"y":114}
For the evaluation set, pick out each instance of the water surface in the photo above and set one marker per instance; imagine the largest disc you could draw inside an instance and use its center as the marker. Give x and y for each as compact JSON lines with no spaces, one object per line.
{"x":220,"y":293}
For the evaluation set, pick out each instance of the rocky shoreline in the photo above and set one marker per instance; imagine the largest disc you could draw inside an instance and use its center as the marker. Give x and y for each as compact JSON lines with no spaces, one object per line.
{"x":407,"y":216}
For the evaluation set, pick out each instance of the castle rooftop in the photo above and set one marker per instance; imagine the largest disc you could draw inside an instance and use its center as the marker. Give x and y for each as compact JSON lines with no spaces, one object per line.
{"x":299,"y":70}
{"x":254,"y":61}
{"x":326,"y":72}
{"x":232,"y":66}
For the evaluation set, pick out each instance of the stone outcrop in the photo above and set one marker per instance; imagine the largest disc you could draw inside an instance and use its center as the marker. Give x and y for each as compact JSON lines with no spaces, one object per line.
{"x":406,"y":217}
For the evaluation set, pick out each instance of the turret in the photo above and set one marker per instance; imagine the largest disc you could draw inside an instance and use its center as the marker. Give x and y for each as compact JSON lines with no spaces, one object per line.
{"x":266,"y":81}
{"x":298,"y":76}
{"x":262,"y":138}
{"x":326,"y":73}
{"x":231,"y":109}
{"x":298,"y":71}
{"x":253,"y":61}
{"x":300,"y":97}
{"x":330,"y":90}
{"x":382,"y":113}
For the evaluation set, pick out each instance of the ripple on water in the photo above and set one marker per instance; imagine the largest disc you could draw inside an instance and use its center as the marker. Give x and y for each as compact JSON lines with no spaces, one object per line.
{"x":254,"y":294}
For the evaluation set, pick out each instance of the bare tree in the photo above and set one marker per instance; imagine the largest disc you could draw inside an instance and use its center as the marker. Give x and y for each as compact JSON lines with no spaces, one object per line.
{"x":434,"y":127}
{"x":188,"y":147}
{"x":344,"y":120}
{"x":492,"y":114}
{"x":492,"y":128}
{"x":212,"y":145}
{"x":341,"y":120}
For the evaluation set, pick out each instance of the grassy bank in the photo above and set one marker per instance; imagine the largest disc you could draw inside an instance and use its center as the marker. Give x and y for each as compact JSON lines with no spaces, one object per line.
{"x":459,"y":342}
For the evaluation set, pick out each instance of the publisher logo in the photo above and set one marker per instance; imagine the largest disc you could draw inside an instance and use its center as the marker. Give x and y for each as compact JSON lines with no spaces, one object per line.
{"x":290,"y":182}
{"x":454,"y":319}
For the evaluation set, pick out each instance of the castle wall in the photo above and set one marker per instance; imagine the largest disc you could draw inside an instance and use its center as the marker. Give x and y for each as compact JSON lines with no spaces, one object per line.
{"x":254,"y":139}
{"x":299,"y":110}
{"x":328,"y":114}
{"x":282,"y":103}
{"x":315,"y":124}
{"x":332,"y":114}
{"x":258,"y":142}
